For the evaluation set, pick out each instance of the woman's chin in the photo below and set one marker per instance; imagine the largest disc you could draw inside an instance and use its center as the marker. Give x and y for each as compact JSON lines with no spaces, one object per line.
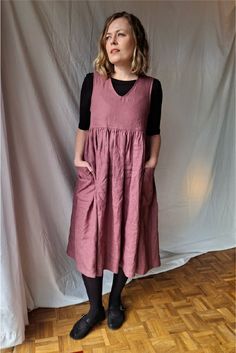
{"x":119,"y":62}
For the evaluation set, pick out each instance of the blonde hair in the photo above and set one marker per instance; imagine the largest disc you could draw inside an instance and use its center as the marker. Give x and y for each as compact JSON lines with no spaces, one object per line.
{"x":140,"y":61}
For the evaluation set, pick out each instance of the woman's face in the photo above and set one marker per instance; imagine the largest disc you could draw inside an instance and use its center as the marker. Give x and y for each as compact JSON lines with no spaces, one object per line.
{"x":120,"y":42}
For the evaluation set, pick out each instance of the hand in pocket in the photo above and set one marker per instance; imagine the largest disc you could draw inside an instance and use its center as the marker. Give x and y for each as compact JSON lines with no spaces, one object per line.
{"x":84,"y":164}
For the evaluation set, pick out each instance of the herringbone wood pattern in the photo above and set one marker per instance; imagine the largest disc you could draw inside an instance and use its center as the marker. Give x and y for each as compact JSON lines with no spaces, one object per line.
{"x":189,"y":309}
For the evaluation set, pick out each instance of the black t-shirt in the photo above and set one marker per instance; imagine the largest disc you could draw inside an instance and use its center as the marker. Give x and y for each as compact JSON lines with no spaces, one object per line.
{"x":122,"y":87}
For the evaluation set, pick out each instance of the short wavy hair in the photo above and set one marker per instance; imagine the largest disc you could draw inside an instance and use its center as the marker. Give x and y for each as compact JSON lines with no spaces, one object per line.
{"x":140,"y":61}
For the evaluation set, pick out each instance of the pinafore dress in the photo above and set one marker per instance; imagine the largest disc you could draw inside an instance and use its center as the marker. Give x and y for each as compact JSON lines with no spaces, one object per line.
{"x":114,"y":220}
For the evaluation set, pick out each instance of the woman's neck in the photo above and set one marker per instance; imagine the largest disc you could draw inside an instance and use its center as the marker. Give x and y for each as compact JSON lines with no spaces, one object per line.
{"x":123,"y":74}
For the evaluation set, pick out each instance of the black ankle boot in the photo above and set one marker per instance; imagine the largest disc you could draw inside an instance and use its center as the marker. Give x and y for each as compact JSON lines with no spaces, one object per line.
{"x":116,"y":316}
{"x":83,"y":326}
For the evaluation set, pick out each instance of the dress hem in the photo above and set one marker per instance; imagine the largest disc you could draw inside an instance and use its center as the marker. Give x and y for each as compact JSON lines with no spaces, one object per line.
{"x":108,"y":268}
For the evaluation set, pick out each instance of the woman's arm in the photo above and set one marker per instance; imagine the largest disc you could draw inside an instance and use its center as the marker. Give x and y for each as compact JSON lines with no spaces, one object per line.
{"x":153,"y":148}
{"x":79,"y":149}
{"x":153,"y":137}
{"x":84,"y":123}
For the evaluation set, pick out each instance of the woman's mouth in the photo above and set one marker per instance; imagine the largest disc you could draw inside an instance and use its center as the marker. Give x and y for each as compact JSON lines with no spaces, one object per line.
{"x":113,"y":51}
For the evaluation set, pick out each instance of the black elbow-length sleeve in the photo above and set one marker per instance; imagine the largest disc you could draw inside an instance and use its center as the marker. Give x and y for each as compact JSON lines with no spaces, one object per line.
{"x":154,"y":117}
{"x":85,"y":102}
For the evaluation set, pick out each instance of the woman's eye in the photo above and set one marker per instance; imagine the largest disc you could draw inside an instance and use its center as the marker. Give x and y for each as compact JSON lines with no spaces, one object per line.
{"x":119,"y":34}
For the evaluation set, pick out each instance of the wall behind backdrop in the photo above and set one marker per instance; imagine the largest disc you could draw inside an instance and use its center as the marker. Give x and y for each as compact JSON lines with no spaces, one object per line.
{"x":47,"y":49}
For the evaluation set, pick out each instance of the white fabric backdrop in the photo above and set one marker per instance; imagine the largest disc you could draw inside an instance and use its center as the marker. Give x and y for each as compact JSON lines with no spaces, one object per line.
{"x":47,"y":49}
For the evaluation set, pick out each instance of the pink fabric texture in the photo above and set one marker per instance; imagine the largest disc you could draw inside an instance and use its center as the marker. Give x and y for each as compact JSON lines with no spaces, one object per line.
{"x":114,"y":220}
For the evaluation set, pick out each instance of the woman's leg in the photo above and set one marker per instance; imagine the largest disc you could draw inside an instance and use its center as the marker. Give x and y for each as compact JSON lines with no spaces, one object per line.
{"x":119,"y":280}
{"x":115,"y":311}
{"x":94,"y":291}
{"x":96,"y":313}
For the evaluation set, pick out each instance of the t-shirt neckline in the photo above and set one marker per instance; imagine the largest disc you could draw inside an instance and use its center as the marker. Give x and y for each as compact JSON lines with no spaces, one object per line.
{"x":129,"y":91}
{"x":116,"y":79}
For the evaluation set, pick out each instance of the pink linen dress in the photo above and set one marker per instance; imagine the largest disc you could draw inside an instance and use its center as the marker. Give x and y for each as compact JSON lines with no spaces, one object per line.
{"x":114,"y":220}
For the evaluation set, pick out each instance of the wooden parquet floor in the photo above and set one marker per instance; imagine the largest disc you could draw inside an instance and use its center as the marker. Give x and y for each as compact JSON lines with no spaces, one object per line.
{"x":188,"y":309}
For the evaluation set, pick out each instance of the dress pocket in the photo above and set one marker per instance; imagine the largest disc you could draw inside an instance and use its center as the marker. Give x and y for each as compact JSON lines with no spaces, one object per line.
{"x":85,"y":184}
{"x":148,"y":187}
{"x":84,"y":221}
{"x":83,"y":172}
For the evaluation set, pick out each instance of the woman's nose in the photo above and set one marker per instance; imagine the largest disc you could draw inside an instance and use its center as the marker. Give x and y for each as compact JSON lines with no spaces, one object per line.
{"x":114,"y":39}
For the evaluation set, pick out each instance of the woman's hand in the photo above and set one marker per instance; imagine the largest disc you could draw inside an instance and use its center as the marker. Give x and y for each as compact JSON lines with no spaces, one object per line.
{"x":150,"y":163}
{"x":82,"y":163}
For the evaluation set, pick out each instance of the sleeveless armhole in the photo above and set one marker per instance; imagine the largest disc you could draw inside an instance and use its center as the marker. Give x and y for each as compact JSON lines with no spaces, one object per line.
{"x":153,"y":125}
{"x":150,"y":90}
{"x":85,"y":102}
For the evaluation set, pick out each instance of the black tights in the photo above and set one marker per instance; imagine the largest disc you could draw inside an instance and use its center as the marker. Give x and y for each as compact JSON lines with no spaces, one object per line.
{"x":94,"y":290}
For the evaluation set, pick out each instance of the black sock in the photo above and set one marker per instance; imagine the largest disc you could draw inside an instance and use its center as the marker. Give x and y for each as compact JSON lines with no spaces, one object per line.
{"x":119,"y":280}
{"x":94,"y":291}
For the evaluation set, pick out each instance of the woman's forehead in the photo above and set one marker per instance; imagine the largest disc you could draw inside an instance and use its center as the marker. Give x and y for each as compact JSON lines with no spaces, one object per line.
{"x":118,"y":24}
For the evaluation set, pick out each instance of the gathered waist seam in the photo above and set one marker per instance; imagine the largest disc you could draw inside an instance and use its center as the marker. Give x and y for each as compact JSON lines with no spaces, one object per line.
{"x":114,"y":129}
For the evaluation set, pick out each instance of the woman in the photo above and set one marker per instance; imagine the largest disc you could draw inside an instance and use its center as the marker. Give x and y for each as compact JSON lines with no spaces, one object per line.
{"x":114,"y":222}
